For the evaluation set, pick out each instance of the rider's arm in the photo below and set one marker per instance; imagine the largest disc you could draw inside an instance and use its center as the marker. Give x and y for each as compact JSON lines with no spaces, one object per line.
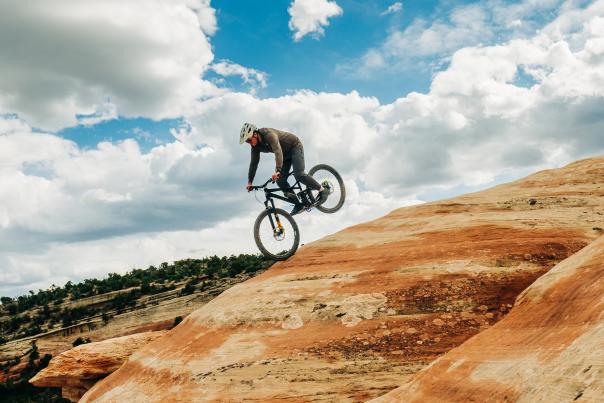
{"x":272,"y":139}
{"x":254,"y":159}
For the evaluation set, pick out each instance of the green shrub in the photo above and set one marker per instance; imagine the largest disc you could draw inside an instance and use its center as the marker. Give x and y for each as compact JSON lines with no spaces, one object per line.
{"x":79,"y":341}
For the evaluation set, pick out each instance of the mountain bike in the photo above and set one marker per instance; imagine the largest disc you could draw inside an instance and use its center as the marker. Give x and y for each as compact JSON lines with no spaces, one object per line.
{"x":275,"y":230}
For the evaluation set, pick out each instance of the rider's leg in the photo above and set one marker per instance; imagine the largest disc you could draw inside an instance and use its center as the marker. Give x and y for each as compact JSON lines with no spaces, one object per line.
{"x":282,"y":182}
{"x":298,"y":163}
{"x":283,"y":185}
{"x":297,"y":160}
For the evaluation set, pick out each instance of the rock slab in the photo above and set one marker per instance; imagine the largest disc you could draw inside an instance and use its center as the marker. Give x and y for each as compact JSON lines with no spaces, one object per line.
{"x":76,"y":370}
{"x":550,"y":348}
{"x":354,"y":315}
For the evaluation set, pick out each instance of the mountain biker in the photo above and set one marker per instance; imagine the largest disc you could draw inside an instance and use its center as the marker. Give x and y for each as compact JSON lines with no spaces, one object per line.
{"x":288,"y":151}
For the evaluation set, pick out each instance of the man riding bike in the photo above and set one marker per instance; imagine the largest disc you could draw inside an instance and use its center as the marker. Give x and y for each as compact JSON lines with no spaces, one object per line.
{"x":288,"y":151}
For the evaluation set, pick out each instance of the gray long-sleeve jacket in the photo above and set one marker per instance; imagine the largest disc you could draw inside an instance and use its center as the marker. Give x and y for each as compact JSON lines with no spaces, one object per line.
{"x":272,"y":141}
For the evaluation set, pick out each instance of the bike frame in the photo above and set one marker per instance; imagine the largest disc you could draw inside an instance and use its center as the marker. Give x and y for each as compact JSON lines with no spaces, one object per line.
{"x":270,"y":194}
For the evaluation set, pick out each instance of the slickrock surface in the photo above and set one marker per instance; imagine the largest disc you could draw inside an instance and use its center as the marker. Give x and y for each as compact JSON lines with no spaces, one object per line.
{"x":76,"y":370}
{"x":354,"y":315}
{"x":550,"y":348}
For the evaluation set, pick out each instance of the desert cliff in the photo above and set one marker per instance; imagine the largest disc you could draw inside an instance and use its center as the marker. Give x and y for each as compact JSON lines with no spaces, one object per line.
{"x":356,"y":314}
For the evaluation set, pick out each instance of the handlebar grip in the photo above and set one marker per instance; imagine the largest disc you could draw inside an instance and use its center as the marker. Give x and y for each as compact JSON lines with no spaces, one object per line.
{"x":264,"y":185}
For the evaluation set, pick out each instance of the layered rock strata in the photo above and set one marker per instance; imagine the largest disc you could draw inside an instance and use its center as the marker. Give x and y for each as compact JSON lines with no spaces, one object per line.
{"x":350,"y":316}
{"x":550,"y":348}
{"x":76,"y":370}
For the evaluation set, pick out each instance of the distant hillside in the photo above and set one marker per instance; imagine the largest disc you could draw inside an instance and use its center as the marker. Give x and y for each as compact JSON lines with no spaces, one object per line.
{"x":42,"y":324}
{"x":61,"y":307}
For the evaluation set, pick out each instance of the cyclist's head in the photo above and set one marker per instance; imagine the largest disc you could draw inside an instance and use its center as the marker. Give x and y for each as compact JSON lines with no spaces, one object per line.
{"x":247,"y":131}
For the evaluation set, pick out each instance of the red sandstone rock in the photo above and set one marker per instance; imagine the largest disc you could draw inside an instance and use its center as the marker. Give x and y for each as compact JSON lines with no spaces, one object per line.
{"x":76,"y":370}
{"x":550,"y":347}
{"x":354,"y":314}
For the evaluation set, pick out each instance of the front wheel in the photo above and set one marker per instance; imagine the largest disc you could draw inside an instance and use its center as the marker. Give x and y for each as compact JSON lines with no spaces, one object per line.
{"x":276,"y":234}
{"x":331,"y":179}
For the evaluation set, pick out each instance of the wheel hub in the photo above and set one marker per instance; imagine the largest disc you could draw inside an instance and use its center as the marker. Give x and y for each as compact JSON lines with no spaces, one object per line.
{"x":328,"y":185}
{"x":279,"y":234}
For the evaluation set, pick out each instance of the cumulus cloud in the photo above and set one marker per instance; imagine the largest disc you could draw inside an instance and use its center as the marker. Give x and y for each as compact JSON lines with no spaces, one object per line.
{"x":255,"y":79}
{"x":311,"y":17}
{"x":68,"y":207}
{"x":476,"y":108}
{"x":60,"y":192}
{"x":106,"y":111}
{"x":393,"y":8}
{"x":147,"y":56}
{"x":75,"y":261}
{"x":428,"y":42}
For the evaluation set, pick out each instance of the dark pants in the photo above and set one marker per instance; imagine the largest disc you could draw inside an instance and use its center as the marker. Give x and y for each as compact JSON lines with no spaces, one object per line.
{"x":296,"y":158}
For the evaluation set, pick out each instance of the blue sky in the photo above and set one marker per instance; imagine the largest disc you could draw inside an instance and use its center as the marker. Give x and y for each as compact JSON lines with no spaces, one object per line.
{"x":119,"y":119}
{"x":147,"y":133}
{"x":256,"y":34}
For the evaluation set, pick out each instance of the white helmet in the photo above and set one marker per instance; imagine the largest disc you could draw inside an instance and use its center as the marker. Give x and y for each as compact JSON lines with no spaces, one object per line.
{"x":247,"y":131}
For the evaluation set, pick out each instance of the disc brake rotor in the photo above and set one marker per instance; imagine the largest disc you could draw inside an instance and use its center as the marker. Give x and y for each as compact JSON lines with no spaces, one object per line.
{"x":328,"y":185}
{"x":279,"y":232}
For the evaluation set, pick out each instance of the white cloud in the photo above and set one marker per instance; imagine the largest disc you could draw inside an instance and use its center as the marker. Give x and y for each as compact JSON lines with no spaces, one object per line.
{"x":311,"y":16}
{"x":393,"y":8}
{"x":147,"y":56}
{"x":63,"y":217}
{"x":206,"y":15}
{"x":252,"y":77}
{"x":76,"y":261}
{"x":466,"y":25}
{"x":63,"y":193}
{"x":476,"y":108}
{"x":103,"y":112}
{"x":428,"y":42}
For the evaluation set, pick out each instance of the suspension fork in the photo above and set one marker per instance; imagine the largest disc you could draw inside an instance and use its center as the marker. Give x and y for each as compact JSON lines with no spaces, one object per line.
{"x":279,"y":226}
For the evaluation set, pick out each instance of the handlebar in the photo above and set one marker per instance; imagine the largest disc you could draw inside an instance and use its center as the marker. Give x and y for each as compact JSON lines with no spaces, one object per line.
{"x":263,"y":185}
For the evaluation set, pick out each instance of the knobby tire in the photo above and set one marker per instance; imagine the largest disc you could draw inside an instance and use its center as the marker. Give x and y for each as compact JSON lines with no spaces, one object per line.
{"x":340,"y":203}
{"x":283,"y":214}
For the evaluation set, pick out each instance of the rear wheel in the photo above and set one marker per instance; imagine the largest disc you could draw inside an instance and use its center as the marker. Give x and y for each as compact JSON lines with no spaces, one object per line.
{"x":331,"y":179}
{"x":276,"y":234}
